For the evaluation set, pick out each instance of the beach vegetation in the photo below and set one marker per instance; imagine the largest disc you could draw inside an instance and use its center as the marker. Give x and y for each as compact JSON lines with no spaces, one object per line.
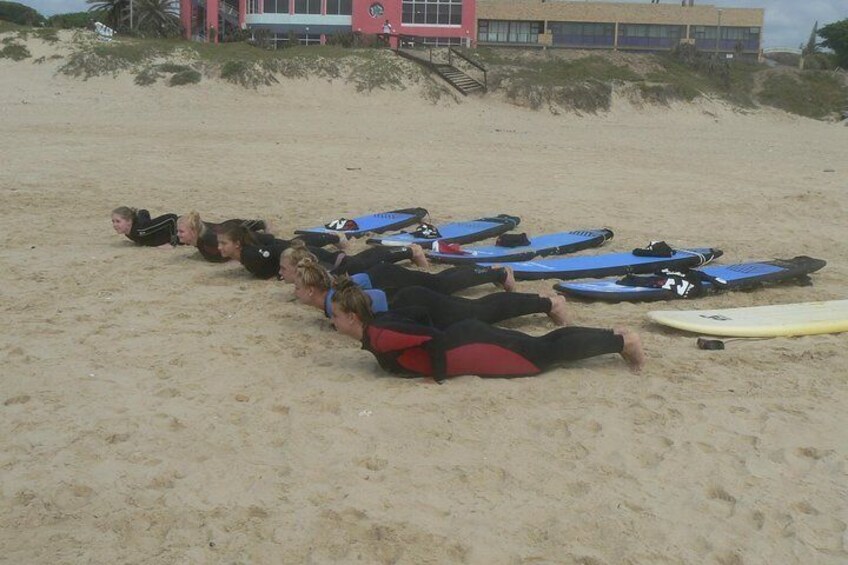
{"x":114,"y":13}
{"x":559,"y":81}
{"x":835,"y":37}
{"x":815,"y":94}
{"x":75,"y":20}
{"x":19,"y":14}
{"x":180,"y":74}
{"x":13,"y":50}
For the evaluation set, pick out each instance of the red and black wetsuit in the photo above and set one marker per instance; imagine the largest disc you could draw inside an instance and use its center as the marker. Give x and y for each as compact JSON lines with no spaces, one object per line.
{"x":444,"y":310}
{"x":391,"y":278}
{"x":472,"y":347}
{"x":207,"y":244}
{"x":153,"y":232}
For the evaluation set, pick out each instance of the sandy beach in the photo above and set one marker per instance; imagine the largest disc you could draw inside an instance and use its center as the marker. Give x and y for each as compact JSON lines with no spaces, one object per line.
{"x":157,"y":408}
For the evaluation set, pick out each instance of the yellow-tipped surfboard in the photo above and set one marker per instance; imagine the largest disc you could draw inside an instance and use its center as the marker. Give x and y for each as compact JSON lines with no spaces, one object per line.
{"x":805,"y":318}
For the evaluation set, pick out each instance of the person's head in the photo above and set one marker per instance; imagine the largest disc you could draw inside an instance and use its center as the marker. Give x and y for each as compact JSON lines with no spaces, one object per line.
{"x":351,"y":308}
{"x":122,"y":219}
{"x":189,"y":228}
{"x":291,"y":257}
{"x":232,"y":239}
{"x":312,"y":282}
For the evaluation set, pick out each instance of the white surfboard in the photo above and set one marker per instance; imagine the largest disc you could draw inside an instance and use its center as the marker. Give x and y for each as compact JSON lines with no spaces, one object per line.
{"x":760,"y":321}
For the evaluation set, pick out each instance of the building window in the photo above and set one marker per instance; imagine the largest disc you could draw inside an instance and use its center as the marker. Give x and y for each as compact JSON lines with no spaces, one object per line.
{"x":307,"y":6}
{"x":496,"y":31}
{"x":282,"y":40}
{"x":580,"y":34}
{"x":276,"y":6}
{"x":339,"y":7}
{"x":432,"y":12}
{"x":666,"y":36}
{"x":442,"y":41}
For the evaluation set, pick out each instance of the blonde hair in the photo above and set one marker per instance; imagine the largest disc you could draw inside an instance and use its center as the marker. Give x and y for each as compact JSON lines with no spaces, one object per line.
{"x":352,"y":299}
{"x":298,"y":252}
{"x":125,"y":212}
{"x":314,"y":275}
{"x":192,"y":220}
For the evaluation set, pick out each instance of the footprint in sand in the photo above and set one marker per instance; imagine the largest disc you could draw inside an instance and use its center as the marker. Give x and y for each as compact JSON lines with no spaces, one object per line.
{"x":20,"y":399}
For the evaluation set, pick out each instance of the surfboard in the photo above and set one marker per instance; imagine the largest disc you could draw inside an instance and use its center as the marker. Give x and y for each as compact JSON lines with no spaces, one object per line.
{"x":376,"y":223}
{"x":541,"y":245}
{"x":457,"y":232}
{"x":736,"y":277}
{"x":607,"y":264}
{"x":805,"y":318}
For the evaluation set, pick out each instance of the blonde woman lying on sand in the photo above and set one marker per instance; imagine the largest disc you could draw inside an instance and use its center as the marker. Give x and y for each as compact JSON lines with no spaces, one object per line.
{"x":191,"y":230}
{"x":313,"y":286}
{"x":390,"y":277}
{"x":470,"y":347}
{"x":261,"y":256}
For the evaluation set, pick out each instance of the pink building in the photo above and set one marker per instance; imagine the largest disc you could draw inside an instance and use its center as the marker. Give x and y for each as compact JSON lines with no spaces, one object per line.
{"x":439,"y":22}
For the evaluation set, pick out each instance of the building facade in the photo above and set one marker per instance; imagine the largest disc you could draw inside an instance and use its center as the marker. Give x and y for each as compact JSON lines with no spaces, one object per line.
{"x":521,"y":23}
{"x":618,"y":25}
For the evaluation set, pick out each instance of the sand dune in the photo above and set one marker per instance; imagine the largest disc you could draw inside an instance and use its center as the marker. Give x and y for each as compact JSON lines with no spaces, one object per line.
{"x":160,"y":409}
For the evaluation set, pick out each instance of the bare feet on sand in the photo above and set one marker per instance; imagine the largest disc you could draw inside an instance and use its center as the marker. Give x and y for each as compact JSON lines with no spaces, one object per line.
{"x":343,"y":243}
{"x":559,"y":310}
{"x":632,"y":351}
{"x":418,"y":256}
{"x":508,"y":283}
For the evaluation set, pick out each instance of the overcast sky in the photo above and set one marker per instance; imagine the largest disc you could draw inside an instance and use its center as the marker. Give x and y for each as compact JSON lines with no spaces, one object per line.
{"x":788,"y":22}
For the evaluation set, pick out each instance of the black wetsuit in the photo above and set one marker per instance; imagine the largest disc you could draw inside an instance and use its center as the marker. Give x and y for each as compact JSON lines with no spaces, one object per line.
{"x":153,"y":232}
{"x":361,"y":262}
{"x":472,"y":347}
{"x":207,"y":244}
{"x":391,"y":278}
{"x":444,"y":310}
{"x":263,"y":258}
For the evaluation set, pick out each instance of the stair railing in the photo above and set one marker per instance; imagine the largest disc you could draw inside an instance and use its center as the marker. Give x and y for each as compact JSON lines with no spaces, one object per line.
{"x":472,"y":63}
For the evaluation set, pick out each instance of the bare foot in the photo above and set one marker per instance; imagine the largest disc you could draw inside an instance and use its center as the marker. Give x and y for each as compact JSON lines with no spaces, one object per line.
{"x":509,"y":281}
{"x":632,"y":351}
{"x":559,"y":310}
{"x":418,"y":256}
{"x":343,"y":243}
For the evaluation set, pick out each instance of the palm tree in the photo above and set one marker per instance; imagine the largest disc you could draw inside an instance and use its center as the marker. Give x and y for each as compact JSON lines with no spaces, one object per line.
{"x":116,"y":12}
{"x":157,"y":17}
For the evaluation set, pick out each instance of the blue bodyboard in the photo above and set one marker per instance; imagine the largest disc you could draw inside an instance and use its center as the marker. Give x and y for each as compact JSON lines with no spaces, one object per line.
{"x":542,"y":246}
{"x":734,"y":277}
{"x":376,"y":223}
{"x":609,"y":264}
{"x":457,"y":232}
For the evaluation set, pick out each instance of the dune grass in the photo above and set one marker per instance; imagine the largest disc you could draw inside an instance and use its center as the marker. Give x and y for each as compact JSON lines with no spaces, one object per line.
{"x":815,"y":94}
{"x":526,"y":77}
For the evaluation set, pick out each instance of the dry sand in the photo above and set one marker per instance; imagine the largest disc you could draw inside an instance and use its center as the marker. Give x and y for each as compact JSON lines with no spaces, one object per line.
{"x":160,"y":409}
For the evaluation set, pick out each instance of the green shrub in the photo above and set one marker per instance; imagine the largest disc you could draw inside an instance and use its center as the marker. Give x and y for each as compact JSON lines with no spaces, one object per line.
{"x":187,"y":76}
{"x":815,"y":94}
{"x":147,"y":76}
{"x":15,"y":52}
{"x":249,"y":74}
{"x":20,"y":14}
{"x":75,"y":20}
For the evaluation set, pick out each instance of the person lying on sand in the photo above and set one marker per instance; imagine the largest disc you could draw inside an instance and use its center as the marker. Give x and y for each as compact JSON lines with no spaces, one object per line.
{"x":138,"y":226}
{"x":471,"y":347}
{"x":191,"y":230}
{"x":313,"y":286}
{"x":390,"y":277}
